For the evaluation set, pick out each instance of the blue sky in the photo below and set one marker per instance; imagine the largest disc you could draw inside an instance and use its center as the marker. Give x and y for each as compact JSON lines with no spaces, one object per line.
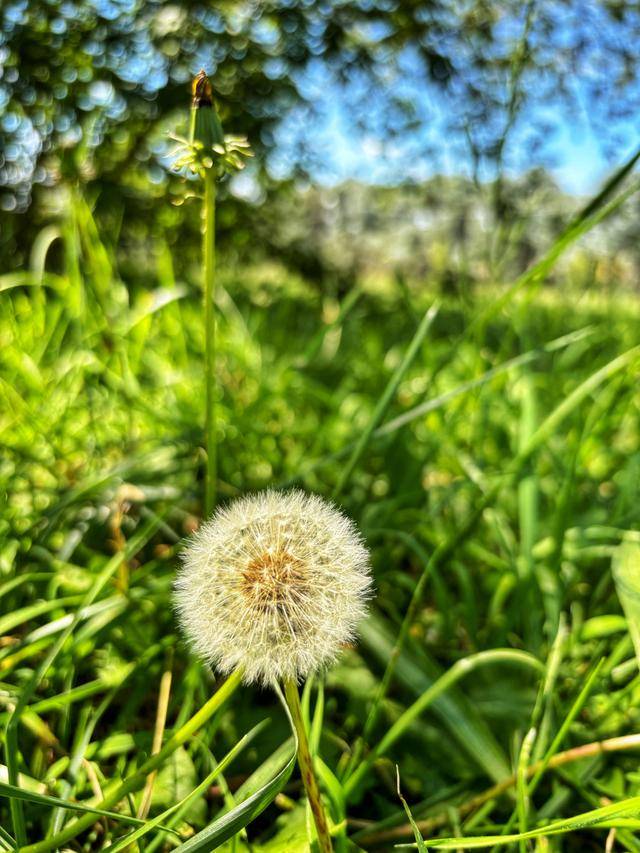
{"x":579,"y":163}
{"x":574,"y":151}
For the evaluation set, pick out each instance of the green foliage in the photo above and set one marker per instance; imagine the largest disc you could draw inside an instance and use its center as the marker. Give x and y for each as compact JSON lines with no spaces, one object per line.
{"x":626,"y":574}
{"x":91,"y":89}
{"x":495,"y":719}
{"x":97,"y":77}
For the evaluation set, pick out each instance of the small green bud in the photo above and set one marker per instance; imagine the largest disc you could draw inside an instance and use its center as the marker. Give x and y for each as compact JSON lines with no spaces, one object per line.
{"x":207,"y":146}
{"x":205,"y":122}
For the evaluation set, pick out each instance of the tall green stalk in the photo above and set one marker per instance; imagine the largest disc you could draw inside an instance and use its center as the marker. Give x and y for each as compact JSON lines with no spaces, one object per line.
{"x":307,"y":772}
{"x":207,"y":139}
{"x":209,"y":256}
{"x":209,"y":154}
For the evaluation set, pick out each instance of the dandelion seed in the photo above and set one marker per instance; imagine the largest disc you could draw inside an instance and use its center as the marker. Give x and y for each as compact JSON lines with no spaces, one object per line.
{"x":274,"y":583}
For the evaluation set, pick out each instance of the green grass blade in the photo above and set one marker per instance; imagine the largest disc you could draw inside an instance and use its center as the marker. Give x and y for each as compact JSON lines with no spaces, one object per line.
{"x":626,"y":574}
{"x":435,"y":691}
{"x":385,"y":681}
{"x":573,"y":400}
{"x":387,"y":396}
{"x":11,"y":736}
{"x":32,"y":611}
{"x":528,"y":508}
{"x":7,"y":839}
{"x":422,"y":847}
{"x":522,"y":793}
{"x":596,"y":211}
{"x":518,"y":361}
{"x":606,"y":816}
{"x":230,"y":823}
{"x":417,"y":674}
{"x":442,"y":400}
{"x":14,"y":793}
{"x":120,"y":790}
{"x":185,"y":802}
{"x":315,"y":345}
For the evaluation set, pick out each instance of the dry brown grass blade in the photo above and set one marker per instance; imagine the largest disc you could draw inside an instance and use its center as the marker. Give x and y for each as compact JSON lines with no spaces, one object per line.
{"x":161,"y":719}
{"x":427,"y":826}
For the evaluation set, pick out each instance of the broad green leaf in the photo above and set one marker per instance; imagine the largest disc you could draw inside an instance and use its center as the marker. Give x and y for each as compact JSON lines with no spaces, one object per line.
{"x":291,"y":833}
{"x":174,"y":783}
{"x":626,"y":574}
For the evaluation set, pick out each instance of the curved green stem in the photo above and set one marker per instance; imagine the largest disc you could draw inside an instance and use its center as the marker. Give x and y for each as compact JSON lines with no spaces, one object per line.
{"x":457,"y":671}
{"x":306,"y":768}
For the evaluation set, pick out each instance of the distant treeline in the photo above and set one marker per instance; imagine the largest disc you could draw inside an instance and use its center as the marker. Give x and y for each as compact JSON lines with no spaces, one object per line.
{"x":449,"y":231}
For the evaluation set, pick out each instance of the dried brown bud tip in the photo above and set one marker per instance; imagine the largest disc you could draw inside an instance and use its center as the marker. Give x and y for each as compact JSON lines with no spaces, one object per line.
{"x":201,"y":90}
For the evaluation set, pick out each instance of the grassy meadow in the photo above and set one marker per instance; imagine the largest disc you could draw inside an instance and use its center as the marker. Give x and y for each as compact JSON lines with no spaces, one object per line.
{"x":487,"y":443}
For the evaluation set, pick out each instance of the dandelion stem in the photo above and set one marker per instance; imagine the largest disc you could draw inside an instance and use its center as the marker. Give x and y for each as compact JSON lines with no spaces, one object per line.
{"x":306,"y":767}
{"x":210,"y":154}
{"x":209,"y":255}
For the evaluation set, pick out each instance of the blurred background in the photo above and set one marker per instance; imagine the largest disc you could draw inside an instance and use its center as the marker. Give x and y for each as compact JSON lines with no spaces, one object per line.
{"x":412,"y":138}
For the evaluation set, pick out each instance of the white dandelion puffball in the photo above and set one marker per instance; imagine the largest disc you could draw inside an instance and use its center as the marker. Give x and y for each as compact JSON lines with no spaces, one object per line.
{"x":275,"y":583}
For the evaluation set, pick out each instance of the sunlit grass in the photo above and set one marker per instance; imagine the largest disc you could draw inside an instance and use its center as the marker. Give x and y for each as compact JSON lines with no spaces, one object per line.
{"x":491,"y":455}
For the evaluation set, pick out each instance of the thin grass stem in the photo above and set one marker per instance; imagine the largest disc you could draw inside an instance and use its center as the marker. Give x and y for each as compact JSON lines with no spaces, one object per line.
{"x":161,"y":720}
{"x":428,"y":825}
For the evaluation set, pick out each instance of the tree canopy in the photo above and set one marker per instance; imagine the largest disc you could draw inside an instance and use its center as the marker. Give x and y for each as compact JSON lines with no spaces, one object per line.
{"x":89,"y":88}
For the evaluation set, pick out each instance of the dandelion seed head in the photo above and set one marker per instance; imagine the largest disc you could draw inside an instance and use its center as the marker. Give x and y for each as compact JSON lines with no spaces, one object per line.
{"x":275,"y":583}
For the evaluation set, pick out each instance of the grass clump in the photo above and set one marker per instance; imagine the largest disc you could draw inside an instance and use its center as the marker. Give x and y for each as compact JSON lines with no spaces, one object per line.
{"x":488,"y":448}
